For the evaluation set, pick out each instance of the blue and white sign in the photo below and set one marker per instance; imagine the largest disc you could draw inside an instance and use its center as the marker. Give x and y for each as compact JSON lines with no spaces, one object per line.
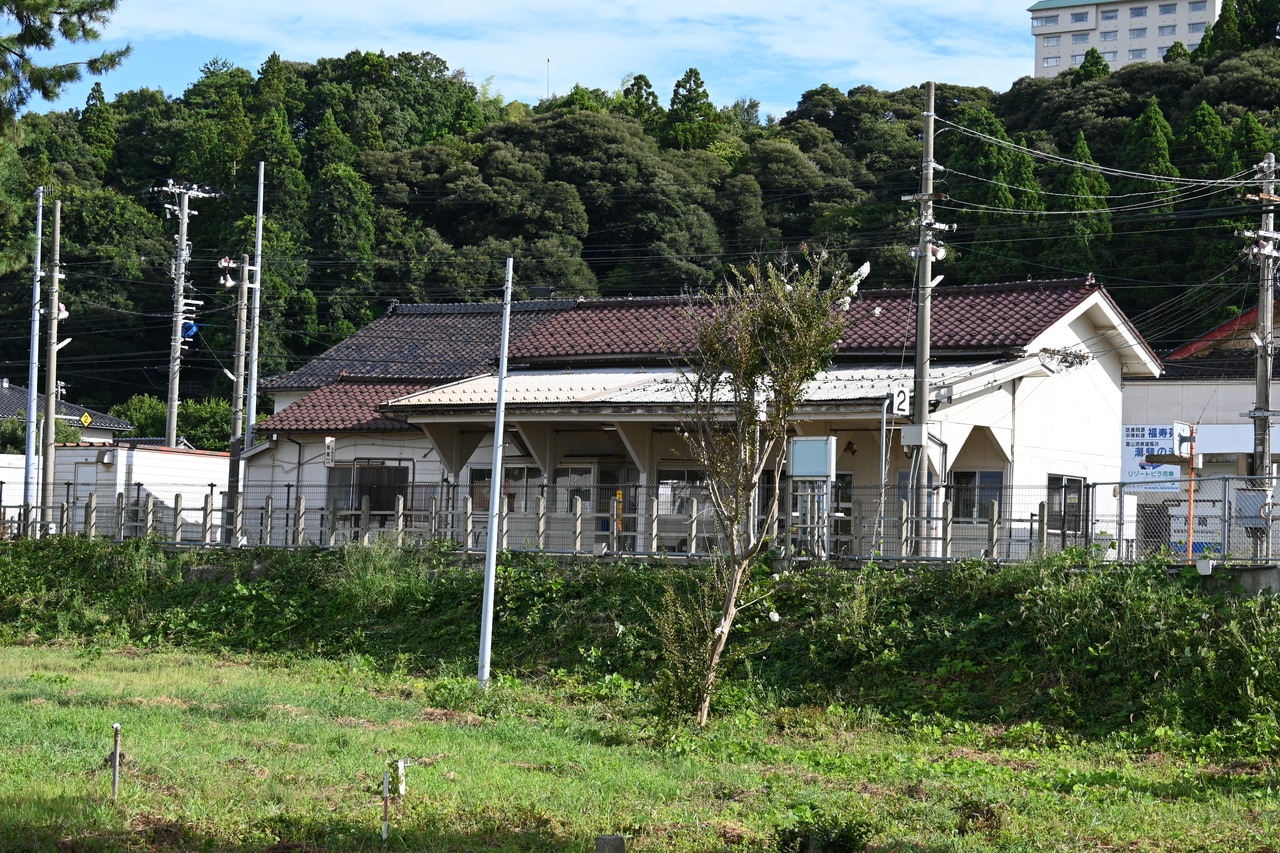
{"x":1143,"y":440}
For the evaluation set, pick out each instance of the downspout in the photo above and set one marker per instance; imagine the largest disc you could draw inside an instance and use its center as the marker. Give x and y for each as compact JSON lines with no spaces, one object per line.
{"x":297,"y":474}
{"x":884,"y":473}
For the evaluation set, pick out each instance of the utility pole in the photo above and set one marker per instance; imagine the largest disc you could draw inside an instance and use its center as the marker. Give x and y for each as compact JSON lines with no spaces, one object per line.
{"x":237,"y":398}
{"x":33,"y":368}
{"x":51,"y":371}
{"x":181,"y":304}
{"x":1266,"y":252}
{"x":926,"y":250}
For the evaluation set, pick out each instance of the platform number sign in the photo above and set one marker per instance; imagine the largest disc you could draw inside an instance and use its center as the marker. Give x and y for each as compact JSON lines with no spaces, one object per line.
{"x":900,"y":400}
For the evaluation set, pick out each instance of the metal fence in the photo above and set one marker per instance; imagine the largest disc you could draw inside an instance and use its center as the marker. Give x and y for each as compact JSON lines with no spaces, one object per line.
{"x":1229,"y":517}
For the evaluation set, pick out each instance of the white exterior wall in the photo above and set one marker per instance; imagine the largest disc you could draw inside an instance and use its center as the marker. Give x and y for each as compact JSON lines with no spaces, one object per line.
{"x":300,"y":461}
{"x":160,"y":471}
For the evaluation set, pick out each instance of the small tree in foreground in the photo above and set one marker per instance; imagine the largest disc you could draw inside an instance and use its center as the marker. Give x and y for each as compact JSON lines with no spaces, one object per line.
{"x":759,"y":340}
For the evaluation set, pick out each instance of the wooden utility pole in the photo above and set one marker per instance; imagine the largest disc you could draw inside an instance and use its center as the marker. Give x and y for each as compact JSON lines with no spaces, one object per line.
{"x":917,"y":438}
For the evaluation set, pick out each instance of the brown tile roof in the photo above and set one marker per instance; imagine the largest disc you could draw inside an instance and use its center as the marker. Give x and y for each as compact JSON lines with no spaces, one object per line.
{"x":349,"y":405}
{"x":964,"y":319}
{"x":968,"y":317}
{"x":420,"y":342}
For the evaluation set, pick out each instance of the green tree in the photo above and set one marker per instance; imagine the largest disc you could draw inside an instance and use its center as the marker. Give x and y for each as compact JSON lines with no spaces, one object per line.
{"x":1150,"y":197}
{"x":146,"y":412}
{"x":760,"y":339}
{"x":343,"y":240}
{"x":38,"y":25}
{"x":274,"y":145}
{"x":205,"y":424}
{"x":692,"y":120}
{"x":1177,"y":52}
{"x":1223,"y":35}
{"x":999,"y":183}
{"x":640,"y":102}
{"x":98,"y":126}
{"x":13,"y":433}
{"x":1080,"y":227}
{"x":1201,"y":144}
{"x":1094,"y":67}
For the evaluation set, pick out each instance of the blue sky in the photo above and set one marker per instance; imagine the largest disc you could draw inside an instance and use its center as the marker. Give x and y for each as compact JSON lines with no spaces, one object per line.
{"x":759,"y":49}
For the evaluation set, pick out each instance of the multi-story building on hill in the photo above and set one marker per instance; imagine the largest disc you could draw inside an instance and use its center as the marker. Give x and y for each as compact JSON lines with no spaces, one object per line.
{"x":1124,"y":32}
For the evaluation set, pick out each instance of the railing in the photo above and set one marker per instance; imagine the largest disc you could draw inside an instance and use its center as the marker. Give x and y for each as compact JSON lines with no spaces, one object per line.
{"x":828,"y":522}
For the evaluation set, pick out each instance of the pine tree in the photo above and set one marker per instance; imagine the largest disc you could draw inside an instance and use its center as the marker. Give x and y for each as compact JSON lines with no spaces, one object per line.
{"x":692,"y":120}
{"x":1082,"y":227}
{"x":98,"y":127}
{"x":1144,"y":251}
{"x":1094,"y":67}
{"x":1201,"y":145}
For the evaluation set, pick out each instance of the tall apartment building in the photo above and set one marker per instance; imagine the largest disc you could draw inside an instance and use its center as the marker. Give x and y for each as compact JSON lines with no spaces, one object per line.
{"x":1124,"y":32}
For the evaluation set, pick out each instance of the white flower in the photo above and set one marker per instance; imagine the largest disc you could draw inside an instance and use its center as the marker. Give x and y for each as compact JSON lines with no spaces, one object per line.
{"x":853,"y":289}
{"x":773,"y":616}
{"x":875,"y":312}
{"x":843,"y":303}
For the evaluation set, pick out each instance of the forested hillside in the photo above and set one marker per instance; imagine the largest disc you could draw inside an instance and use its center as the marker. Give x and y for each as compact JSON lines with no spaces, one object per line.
{"x":392,"y":177}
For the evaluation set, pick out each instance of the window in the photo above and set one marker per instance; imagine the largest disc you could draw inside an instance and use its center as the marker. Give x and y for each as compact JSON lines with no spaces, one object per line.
{"x":1138,"y":53}
{"x":678,"y":488}
{"x":1138,"y":12}
{"x":1110,"y":35}
{"x":1171,"y":30}
{"x":1052,"y":41}
{"x":568,"y":483}
{"x":1109,"y":15}
{"x":1044,"y":21}
{"x":350,"y":484}
{"x":1198,"y":6}
{"x":1196,"y":28}
{"x":1161,"y":51}
{"x":1051,"y":61}
{"x":1077,"y":59}
{"x":973,"y":493}
{"x":1168,"y":8}
{"x":521,"y":487}
{"x":1138,"y":33}
{"x":1079,"y":38}
{"x":1109,"y":55}
{"x":1079,"y":17}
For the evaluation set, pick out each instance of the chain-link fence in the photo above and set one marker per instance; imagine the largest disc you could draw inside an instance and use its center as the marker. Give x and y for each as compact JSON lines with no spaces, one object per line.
{"x":818,"y":520}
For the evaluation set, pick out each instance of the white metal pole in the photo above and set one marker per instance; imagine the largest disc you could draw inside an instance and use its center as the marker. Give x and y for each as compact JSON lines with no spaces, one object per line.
{"x":33,"y":367}
{"x":255,"y":314}
{"x":495,"y":489}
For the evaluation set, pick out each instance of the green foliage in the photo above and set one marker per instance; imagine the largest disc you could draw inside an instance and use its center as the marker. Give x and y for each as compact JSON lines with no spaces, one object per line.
{"x":1051,"y":651}
{"x":13,"y":433}
{"x":1094,"y":67}
{"x":205,"y":424}
{"x":39,"y":26}
{"x":816,"y":830}
{"x":395,"y":177}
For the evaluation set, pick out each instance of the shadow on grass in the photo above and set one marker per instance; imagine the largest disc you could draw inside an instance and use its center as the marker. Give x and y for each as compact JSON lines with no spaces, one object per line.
{"x":75,"y":825}
{"x":1222,"y":783}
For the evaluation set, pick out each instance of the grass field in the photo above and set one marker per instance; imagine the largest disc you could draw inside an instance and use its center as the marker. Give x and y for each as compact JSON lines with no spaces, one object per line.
{"x":241,"y":754}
